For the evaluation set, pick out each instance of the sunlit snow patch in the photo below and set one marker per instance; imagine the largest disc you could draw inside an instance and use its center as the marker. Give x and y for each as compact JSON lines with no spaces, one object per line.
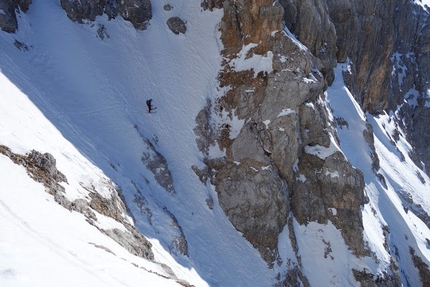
{"x":259,"y":63}
{"x":286,"y":112}
{"x":399,"y":69}
{"x":422,"y":3}
{"x":267,"y":123}
{"x":411,"y":97}
{"x":326,"y":259}
{"x":321,"y":151}
{"x":332,"y":174}
{"x":234,"y":123}
{"x":301,"y":178}
{"x":216,"y":152}
{"x":333,"y":211}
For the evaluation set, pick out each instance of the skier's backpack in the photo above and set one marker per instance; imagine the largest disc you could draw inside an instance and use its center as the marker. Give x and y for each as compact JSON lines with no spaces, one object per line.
{"x":148,"y":102}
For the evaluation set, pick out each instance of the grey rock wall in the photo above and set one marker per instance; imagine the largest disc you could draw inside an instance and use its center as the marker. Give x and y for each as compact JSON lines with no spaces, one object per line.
{"x":258,"y":181}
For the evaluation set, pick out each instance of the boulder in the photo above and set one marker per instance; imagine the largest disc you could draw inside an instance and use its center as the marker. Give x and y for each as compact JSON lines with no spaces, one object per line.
{"x":255,"y":199}
{"x":167,"y":7}
{"x":177,"y":25}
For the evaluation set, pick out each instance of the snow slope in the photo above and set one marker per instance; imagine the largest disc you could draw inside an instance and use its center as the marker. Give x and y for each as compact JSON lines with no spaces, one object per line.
{"x":42,"y":243}
{"x":93,"y":91}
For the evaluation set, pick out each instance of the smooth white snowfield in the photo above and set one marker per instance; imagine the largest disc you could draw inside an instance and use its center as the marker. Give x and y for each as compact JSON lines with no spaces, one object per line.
{"x":82,"y":99}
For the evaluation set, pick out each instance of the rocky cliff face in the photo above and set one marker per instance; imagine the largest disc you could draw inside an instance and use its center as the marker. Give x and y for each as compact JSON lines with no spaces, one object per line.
{"x":283,"y":158}
{"x":284,"y":119}
{"x":409,"y":86}
{"x":387,"y":44}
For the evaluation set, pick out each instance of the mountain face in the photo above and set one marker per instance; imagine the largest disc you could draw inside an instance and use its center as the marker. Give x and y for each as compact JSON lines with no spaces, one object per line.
{"x":284,"y":115}
{"x":310,"y":138}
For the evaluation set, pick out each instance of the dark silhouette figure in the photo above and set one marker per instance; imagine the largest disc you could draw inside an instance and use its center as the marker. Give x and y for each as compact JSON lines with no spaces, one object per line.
{"x":149,"y":104}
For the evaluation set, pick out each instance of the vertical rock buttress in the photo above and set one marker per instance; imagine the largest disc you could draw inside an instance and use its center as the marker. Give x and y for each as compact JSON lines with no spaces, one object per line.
{"x":259,"y":180}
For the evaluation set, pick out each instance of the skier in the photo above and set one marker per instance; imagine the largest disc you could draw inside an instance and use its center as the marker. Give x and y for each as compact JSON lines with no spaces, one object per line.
{"x":149,"y":104}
